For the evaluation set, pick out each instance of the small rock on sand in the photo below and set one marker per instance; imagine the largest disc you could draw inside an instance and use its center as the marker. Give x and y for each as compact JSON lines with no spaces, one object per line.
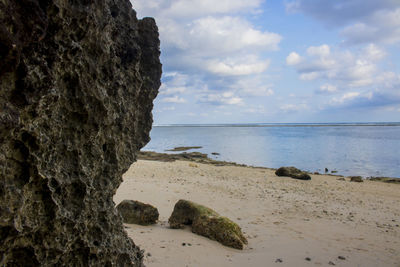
{"x":208,"y":223}
{"x":357,"y":179}
{"x":292,"y":172}
{"x":136,"y":212}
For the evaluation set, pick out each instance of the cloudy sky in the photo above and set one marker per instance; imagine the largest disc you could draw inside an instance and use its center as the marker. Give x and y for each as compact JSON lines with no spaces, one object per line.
{"x":254,"y":61}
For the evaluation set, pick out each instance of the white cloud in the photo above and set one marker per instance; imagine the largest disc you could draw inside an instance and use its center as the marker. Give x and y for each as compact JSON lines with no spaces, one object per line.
{"x":165,"y":90}
{"x":174,"y":83}
{"x":328,"y":88}
{"x":237,"y":67}
{"x":197,"y":8}
{"x":293,"y":59}
{"x":346,"y":97}
{"x":259,"y":109}
{"x":252,"y":86}
{"x":383,"y":26}
{"x":194,"y":33}
{"x":319,"y":51}
{"x":348,"y":68}
{"x":373,"y":53}
{"x":359,"y":32}
{"x":361,"y":21}
{"x":173,"y":99}
{"x":168,"y":108}
{"x":309,"y":76}
{"x":293,"y":107}
{"x":213,"y":36}
{"x":226,"y":98}
{"x":389,"y":80}
{"x":210,"y":48}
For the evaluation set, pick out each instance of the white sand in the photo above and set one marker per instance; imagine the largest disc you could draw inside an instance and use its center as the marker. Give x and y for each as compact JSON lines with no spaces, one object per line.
{"x":282,"y":218}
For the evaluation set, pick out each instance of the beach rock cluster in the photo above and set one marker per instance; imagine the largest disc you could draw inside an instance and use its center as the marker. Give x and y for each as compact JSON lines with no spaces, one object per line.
{"x":77,"y":81}
{"x":385,"y":179}
{"x":292,"y":172}
{"x":137,"y":212}
{"x":208,"y":223}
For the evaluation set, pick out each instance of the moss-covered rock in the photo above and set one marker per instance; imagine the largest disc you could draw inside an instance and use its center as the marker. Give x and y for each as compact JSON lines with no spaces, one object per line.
{"x":137,"y":212}
{"x":357,"y":179}
{"x":292,"y":172}
{"x":208,"y":223}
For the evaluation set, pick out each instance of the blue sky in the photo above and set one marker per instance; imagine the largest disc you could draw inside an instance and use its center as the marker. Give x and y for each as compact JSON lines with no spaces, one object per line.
{"x":254,"y":61}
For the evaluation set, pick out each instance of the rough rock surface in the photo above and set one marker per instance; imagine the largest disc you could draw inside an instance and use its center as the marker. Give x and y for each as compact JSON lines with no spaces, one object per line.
{"x":292,"y":172}
{"x":137,"y":212}
{"x":357,"y":179}
{"x":77,"y":81}
{"x":208,"y":223}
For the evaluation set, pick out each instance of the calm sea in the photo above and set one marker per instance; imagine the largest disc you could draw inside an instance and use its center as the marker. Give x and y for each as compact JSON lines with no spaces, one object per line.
{"x":366,"y":149}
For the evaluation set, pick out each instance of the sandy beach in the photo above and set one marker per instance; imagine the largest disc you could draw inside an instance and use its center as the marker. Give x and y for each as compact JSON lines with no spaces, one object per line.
{"x":288,"y":222}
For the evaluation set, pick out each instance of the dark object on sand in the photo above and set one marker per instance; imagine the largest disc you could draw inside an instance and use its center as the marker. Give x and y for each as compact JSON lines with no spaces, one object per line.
{"x":208,"y":223}
{"x":326,"y":170}
{"x":385,"y":179}
{"x":184,"y":148}
{"x":77,"y":84}
{"x":292,"y":172}
{"x":137,"y":212}
{"x":357,"y":179}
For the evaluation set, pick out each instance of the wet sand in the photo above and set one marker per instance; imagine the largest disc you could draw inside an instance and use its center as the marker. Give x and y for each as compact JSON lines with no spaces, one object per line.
{"x":287,"y":222}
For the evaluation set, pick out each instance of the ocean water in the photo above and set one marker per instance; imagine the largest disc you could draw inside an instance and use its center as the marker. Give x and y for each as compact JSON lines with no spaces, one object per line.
{"x":365,"y":149}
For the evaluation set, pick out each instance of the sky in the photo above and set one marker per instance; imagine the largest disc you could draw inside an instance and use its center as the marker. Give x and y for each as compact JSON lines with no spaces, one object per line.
{"x":255,"y":61}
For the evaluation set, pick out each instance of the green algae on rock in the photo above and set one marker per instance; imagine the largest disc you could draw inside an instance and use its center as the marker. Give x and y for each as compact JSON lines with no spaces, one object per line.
{"x":293,"y":173}
{"x":208,"y":223}
{"x":357,"y":179}
{"x":136,"y":212}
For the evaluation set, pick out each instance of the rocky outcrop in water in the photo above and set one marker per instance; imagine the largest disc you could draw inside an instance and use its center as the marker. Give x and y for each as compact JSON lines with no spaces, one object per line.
{"x":77,"y":81}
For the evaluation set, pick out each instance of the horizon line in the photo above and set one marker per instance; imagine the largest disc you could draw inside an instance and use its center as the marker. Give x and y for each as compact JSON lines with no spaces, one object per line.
{"x":281,"y":124}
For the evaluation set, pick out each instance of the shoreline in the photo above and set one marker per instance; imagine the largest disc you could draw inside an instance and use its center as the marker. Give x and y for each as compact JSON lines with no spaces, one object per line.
{"x":288,"y":222}
{"x":203,"y":158}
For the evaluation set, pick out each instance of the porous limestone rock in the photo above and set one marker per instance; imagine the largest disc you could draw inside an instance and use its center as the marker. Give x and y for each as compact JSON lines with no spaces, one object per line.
{"x":77,"y":81}
{"x":137,"y":212}
{"x":208,"y":223}
{"x":293,"y":173}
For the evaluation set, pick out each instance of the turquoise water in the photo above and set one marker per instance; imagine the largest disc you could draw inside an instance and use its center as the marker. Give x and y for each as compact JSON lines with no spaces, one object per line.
{"x":368,"y":149}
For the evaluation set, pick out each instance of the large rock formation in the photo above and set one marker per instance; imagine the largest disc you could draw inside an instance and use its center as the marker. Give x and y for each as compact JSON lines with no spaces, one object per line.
{"x":77,"y":81}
